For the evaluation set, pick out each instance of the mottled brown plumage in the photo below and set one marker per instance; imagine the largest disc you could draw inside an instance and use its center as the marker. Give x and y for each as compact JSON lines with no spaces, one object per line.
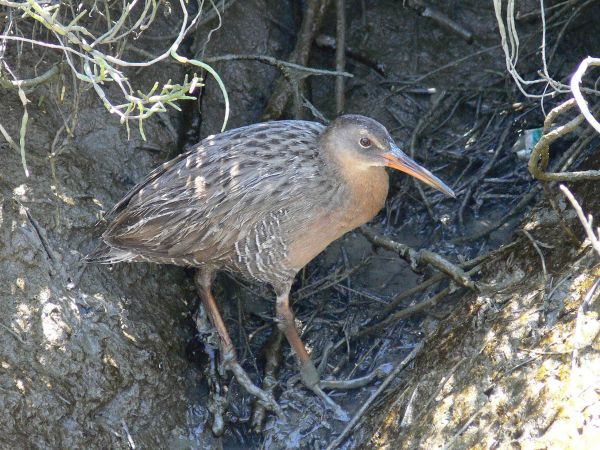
{"x":262,"y":201}
{"x":225,"y":201}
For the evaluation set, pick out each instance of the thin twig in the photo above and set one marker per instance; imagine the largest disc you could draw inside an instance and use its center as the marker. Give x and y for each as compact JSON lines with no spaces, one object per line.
{"x":576,"y":90}
{"x":563,"y":223}
{"x":520,"y":206}
{"x":539,"y":158}
{"x":404,"y":313}
{"x":284,"y":66}
{"x":340,"y":55}
{"x":441,"y":19}
{"x":586,"y":222}
{"x":273,"y":361}
{"x":311,"y":21}
{"x":537,"y":249}
{"x":376,"y":324}
{"x":353,"y":383}
{"x":417,"y":257}
{"x":79,"y":48}
{"x":435,"y":111}
{"x":581,"y":311}
{"x":328,"y":43}
{"x":475,"y":181}
{"x":409,"y":292}
{"x":462,"y":429}
{"x":28,"y":84}
{"x":17,"y":337}
{"x":472,"y":264}
{"x":364,"y":408}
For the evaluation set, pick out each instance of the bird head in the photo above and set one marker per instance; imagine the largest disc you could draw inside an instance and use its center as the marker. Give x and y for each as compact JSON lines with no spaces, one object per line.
{"x":364,"y":142}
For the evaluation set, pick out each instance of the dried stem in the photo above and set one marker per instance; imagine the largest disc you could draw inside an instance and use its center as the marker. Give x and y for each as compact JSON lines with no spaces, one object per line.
{"x":539,"y":159}
{"x":576,"y":90}
{"x":393,"y":374}
{"x":417,"y":257}
{"x":340,"y":55}
{"x":585,"y":221}
{"x":311,"y":21}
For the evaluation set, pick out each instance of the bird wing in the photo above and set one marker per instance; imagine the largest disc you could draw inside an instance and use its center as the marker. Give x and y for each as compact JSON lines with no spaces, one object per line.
{"x":201,"y":203}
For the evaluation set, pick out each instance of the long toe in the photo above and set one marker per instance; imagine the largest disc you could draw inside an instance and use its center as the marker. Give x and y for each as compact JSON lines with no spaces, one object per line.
{"x":310,"y":378}
{"x":355,"y":383}
{"x":339,"y":412}
{"x":265,"y":398}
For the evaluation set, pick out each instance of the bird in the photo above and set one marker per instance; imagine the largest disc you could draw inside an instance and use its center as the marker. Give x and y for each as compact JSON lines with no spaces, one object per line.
{"x":260,"y":201}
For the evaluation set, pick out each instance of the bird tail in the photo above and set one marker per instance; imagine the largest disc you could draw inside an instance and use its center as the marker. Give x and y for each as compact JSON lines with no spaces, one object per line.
{"x":105,"y":254}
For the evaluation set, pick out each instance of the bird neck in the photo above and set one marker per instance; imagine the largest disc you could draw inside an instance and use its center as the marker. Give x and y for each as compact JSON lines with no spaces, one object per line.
{"x":364,"y":189}
{"x":359,"y":197}
{"x":368,"y":189}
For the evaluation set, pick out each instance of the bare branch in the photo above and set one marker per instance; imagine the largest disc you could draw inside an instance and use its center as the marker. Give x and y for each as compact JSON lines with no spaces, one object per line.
{"x":539,"y":159}
{"x":576,"y":90}
{"x":585,"y":221}
{"x":303,"y":71}
{"x":416,"y":257}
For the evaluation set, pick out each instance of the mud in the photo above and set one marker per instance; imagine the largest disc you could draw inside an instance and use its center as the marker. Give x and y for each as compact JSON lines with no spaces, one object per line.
{"x":92,"y":357}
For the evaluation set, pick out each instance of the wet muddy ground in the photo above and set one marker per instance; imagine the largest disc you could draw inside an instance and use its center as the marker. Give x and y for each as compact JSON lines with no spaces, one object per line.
{"x":93,"y":357}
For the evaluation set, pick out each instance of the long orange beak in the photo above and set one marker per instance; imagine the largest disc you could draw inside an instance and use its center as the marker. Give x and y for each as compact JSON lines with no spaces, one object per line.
{"x":398,"y":160}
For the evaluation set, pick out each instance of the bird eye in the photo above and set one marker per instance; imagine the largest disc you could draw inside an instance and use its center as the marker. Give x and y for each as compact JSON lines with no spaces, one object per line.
{"x":365,"y":142}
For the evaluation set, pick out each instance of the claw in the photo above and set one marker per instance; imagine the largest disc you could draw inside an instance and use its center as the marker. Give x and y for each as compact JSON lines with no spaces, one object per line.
{"x":339,"y":412}
{"x":266,"y":399}
{"x":310,"y":377}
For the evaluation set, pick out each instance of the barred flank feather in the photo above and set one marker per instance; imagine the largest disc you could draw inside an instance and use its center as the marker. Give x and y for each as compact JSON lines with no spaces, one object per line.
{"x":239,"y":199}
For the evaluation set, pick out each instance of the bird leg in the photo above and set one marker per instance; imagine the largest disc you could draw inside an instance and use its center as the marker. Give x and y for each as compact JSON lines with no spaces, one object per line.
{"x":287,"y":325}
{"x":308,"y":372}
{"x":203,"y":282}
{"x":273,"y":358}
{"x":217,"y":401}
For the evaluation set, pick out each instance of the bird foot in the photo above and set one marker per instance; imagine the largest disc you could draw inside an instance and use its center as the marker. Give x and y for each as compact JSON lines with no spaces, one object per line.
{"x":310,"y":377}
{"x":309,"y":374}
{"x":265,"y":398}
{"x":355,"y":383}
{"x":273,"y":359}
{"x":217,"y":402}
{"x":340,"y":413}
